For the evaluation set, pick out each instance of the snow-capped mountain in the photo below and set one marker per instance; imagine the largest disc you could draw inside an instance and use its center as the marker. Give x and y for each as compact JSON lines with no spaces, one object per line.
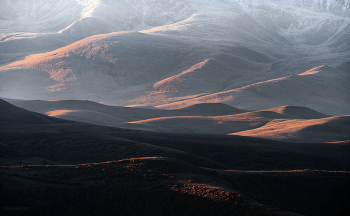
{"x":103,"y":16}
{"x":88,"y":17}
{"x":245,"y":53}
{"x":337,"y":7}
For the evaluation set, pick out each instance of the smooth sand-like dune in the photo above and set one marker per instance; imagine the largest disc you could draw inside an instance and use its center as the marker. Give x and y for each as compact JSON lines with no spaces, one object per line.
{"x":95,"y":113}
{"x":315,"y":130}
{"x":287,"y":123}
{"x":212,"y":124}
{"x":298,"y":112}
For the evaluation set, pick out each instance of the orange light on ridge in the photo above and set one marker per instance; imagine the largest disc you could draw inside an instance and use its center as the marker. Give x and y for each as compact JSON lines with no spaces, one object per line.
{"x":312,"y":71}
{"x":56,"y":113}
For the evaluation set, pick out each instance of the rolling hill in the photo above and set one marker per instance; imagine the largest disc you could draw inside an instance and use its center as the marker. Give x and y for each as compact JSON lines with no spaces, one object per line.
{"x":318,"y":130}
{"x":10,"y":114}
{"x":285,"y":123}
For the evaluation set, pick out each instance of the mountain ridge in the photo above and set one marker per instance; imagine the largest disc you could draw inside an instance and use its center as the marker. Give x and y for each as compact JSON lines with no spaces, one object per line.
{"x":220,"y":54}
{"x":285,"y":123}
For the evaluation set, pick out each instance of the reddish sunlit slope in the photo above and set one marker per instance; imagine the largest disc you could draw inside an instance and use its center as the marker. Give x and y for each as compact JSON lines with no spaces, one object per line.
{"x":97,"y":68}
{"x":320,"y":85}
{"x":58,"y":113}
{"x":225,"y":124}
{"x":54,"y":62}
{"x":173,"y":84}
{"x":315,"y":130}
{"x":212,"y":124}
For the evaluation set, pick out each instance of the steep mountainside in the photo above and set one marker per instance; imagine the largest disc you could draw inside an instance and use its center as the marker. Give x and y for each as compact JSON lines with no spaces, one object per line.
{"x":337,"y":7}
{"x":248,"y":54}
{"x":87,"y":17}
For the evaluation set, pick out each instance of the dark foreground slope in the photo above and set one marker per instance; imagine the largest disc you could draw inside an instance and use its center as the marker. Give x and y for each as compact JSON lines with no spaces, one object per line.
{"x":171,"y":176}
{"x":11,"y":114}
{"x":148,"y":186}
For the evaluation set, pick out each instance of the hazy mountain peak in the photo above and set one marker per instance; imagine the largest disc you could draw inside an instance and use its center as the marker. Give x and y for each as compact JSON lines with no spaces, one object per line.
{"x":103,"y":16}
{"x":89,"y":7}
{"x":337,"y":7}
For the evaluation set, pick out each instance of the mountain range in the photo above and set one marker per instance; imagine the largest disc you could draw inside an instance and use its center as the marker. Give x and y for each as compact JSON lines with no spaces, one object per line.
{"x":285,"y":123}
{"x":247,"y":54}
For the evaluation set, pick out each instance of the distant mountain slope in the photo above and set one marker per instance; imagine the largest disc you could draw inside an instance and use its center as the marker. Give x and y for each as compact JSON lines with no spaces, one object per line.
{"x":296,"y":112}
{"x":337,"y":7}
{"x":211,"y":109}
{"x":122,"y":67}
{"x":84,"y":18}
{"x":211,"y":124}
{"x":247,"y":54}
{"x":318,"y":130}
{"x":116,"y":71}
{"x":227,"y":124}
{"x":38,"y":16}
{"x":88,"y":17}
{"x":341,"y":8}
{"x":322,"y":85}
{"x":118,"y":60}
{"x":111,"y":16}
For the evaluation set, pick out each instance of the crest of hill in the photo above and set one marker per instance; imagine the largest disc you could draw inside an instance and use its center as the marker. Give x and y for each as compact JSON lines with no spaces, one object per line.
{"x":299,"y":112}
{"x":212,"y":109}
{"x":12,"y":114}
{"x":219,"y":124}
{"x":330,"y":129}
{"x":125,"y":114}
